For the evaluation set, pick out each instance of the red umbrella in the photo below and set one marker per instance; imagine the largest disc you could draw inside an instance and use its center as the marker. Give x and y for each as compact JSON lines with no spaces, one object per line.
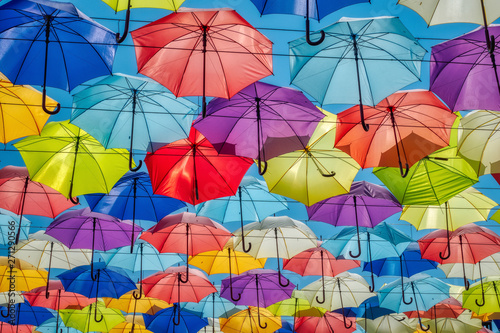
{"x":405,"y":127}
{"x":449,"y":308}
{"x":203,"y":52}
{"x":191,"y":170}
{"x":330,"y":322}
{"x":8,"y":328}
{"x":467,"y":244}
{"x":20,"y":195}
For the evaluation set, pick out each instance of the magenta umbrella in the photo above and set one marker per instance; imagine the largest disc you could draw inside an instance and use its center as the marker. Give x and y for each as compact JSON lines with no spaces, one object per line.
{"x":84,"y":229}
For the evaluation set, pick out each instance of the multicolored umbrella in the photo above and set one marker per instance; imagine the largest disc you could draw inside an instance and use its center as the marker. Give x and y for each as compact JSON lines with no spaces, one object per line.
{"x":174,"y":50}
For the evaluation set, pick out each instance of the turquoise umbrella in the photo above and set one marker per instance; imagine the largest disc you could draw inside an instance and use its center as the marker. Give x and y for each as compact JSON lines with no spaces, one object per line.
{"x":212,"y":306}
{"x":124,"y":111}
{"x":9,"y":220}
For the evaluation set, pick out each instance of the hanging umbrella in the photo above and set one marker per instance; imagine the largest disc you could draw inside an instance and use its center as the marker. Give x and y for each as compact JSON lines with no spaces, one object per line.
{"x":25,"y":314}
{"x":464,"y":323}
{"x":229,"y":53}
{"x":65,"y":157}
{"x":464,"y":70}
{"x":317,"y":171}
{"x":253,"y":202}
{"x":20,"y":114}
{"x":23,"y":275}
{"x":191,"y":170}
{"x":448,"y":308}
{"x":8,"y":328}
{"x":6,"y":220}
{"x":58,"y":298}
{"x":388,"y":323}
{"x":315,"y":9}
{"x":295,"y":306}
{"x":83,"y":229}
{"x":130,"y":304}
{"x":275,"y":237}
{"x":352,"y":65}
{"x":366,"y":203}
{"x":253,"y":319}
{"x":132,"y":110}
{"x":21,"y":195}
{"x":262,"y":121}
{"x":331,"y":322}
{"x":211,"y":306}
{"x":15,"y":297}
{"x":84,"y":321}
{"x":483,"y":296}
{"x":173,"y":320}
{"x":119,"y":5}
{"x":74,"y":48}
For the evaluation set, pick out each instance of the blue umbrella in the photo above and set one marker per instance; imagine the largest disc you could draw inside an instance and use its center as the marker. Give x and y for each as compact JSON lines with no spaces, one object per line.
{"x":56,"y":45}
{"x":133,"y":113}
{"x":360,"y":61}
{"x":8,"y":220}
{"x":316,"y":9}
{"x":212,"y":306}
{"x":174,"y":320}
{"x":25,"y":314}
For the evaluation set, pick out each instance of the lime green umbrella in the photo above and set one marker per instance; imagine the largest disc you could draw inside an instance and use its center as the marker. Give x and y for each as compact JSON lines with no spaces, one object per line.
{"x":296,"y":306}
{"x":93,"y":318}
{"x":483,"y":296}
{"x":70,"y":161}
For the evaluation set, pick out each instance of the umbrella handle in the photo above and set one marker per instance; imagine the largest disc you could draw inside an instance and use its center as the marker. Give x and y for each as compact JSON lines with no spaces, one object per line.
{"x":466,"y":284}
{"x":130,"y":167}
{"x":308,"y":34}
{"x":359,"y":249}
{"x":3,"y":315}
{"x":134,"y":294}
{"x":283,"y":284}
{"x":404,"y":173}
{"x":322,"y":281}
{"x":449,"y":252}
{"x":187,"y":276}
{"x":424,"y":328}
{"x":398,"y":319}
{"x":482,"y":294}
{"x":404,"y":300}
{"x":232,"y":297}
{"x":121,"y":39}
{"x":258,"y":317}
{"x":95,"y":316}
{"x":372,"y":286}
{"x":177,"y":315}
{"x":75,"y":200}
{"x":324,"y":294}
{"x":366,"y":127}
{"x":345,"y":322}
{"x":44,"y":106}
{"x":262,"y":171}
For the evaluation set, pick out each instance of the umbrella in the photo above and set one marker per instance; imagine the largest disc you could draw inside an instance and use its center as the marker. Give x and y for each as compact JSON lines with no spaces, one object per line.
{"x":276,"y":236}
{"x":316,"y":9}
{"x":483,"y":296}
{"x":448,"y":308}
{"x":119,"y":5}
{"x":65,"y":157}
{"x":74,"y":48}
{"x":331,"y":322}
{"x":317,"y":171}
{"x":21,"y":195}
{"x":183,"y":321}
{"x":15,"y":297}
{"x":130,"y":304}
{"x":83,"y":229}
{"x":187,"y":233}
{"x":295,"y":306}
{"x":388,"y":323}
{"x":351,"y":66}
{"x":249,"y":320}
{"x":464,"y":71}
{"x":20,"y":114}
{"x":253,"y":202}
{"x":8,"y":328}
{"x":212,"y":306}
{"x":191,"y":170}
{"x":375,"y":204}
{"x":25,"y":314}
{"x":131,"y":109}
{"x":229,"y":53}
{"x":261,"y":121}
{"x":84,"y":321}
{"x":464,"y":323}
{"x":58,"y":298}
{"x":6,"y":220}
{"x":18,"y":275}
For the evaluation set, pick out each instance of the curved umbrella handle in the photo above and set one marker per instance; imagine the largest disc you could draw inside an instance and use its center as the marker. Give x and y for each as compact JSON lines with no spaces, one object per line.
{"x":243,"y":244}
{"x":235,"y":299}
{"x":322,"y":281}
{"x":95,"y":316}
{"x":134,"y":293}
{"x":359,"y":249}
{"x":449,"y":252}
{"x":424,"y":328}
{"x":324,"y":296}
{"x":399,"y":319}
{"x":44,"y":106}
{"x":3,"y":315}
{"x":279,"y":280}
{"x":404,"y":173}
{"x":482,"y":294}
{"x":177,"y":315}
{"x":372,"y":286}
{"x":130,"y":166}
{"x":231,"y":277}
{"x":258,"y":317}
{"x":308,"y":35}
{"x":345,"y":322}
{"x":404,"y":300}
{"x":75,"y":200}
{"x":365,"y":126}
{"x":262,"y":171}
{"x":187,"y":275}
{"x":466,"y":284}
{"x":121,"y":39}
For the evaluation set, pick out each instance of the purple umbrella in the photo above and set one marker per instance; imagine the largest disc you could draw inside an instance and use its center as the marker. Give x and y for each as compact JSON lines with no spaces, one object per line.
{"x":365,"y":205}
{"x":84,"y":229}
{"x":464,"y":73}
{"x":261,"y":121}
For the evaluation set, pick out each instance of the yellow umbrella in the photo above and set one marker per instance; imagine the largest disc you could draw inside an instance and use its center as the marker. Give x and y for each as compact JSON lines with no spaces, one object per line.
{"x":23,"y":276}
{"x":129,"y":327}
{"x":253,"y":319}
{"x":20,"y":111}
{"x":317,"y":172}
{"x":128,"y":303}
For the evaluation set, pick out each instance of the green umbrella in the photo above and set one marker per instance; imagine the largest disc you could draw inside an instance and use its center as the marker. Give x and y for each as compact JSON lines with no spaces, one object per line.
{"x":85,"y":320}
{"x":70,"y":161}
{"x":483,"y":296}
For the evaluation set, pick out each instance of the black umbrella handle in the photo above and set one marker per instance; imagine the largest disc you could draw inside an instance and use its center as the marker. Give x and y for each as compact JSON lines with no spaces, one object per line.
{"x":176,"y":319}
{"x":322,"y":282}
{"x":47,"y":293}
{"x":342,"y":306}
{"x":121,"y":39}
{"x":241,"y":220}
{"x":278,"y":258}
{"x":96,"y":319}
{"x":44,"y":103}
{"x":258,"y":318}
{"x":76,"y":201}
{"x":21,"y":208}
{"x":308,"y":30}
{"x":235,"y":299}
{"x":448,"y":246}
{"x":422,"y":327}
{"x":483,"y":301}
{"x":357,"y":231}
{"x":402,"y":285}
{"x":187,"y":253}
{"x":48,"y":19}
{"x":130,"y":160}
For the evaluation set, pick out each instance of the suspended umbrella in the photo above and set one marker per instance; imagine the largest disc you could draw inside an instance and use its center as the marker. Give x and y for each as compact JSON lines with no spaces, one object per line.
{"x":6,"y":220}
{"x":366,"y":203}
{"x":467,"y":244}
{"x":8,"y":328}
{"x":253,"y":319}
{"x":464,"y":323}
{"x":83,"y":229}
{"x":133,"y":112}
{"x":130,"y":304}
{"x":64,"y":157}
{"x":295,"y":306}
{"x":12,"y":297}
{"x":174,"y":320}
{"x":318,"y":165}
{"x":191,"y":170}
{"x":84,"y":321}
{"x":175,"y":49}
{"x":262,"y":121}
{"x":331,"y":322}
{"x":275,"y":237}
{"x":25,"y":314}
{"x":483,"y":296}
{"x":21,"y":114}
{"x":58,"y":298}
{"x":187,"y":233}
{"x":352,"y":65}
{"x":448,"y":308}
{"x":211,"y":306}
{"x":388,"y":323}
{"x":23,"y":275}
{"x":21,"y":195}
{"x":426,"y":292}
{"x":56,"y":45}
{"x":126,"y":327}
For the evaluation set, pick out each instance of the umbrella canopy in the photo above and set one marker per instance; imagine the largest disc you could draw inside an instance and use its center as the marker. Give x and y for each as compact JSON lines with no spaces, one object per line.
{"x":408,"y":126}
{"x":8,"y":328}
{"x":133,"y":113}
{"x":448,"y":308}
{"x":65,"y":157}
{"x":253,"y":319}
{"x":84,"y":321}
{"x":74,"y":47}
{"x":21,"y":114}
{"x":489,"y":266}
{"x":130,"y":304}
{"x":174,"y":50}
{"x":25,"y":314}
{"x":212,"y":306}
{"x":349,"y":66}
{"x":464,"y":323}
{"x":6,"y":220}
{"x":191,"y":170}
{"x":483,"y":296}
{"x":296,"y":306}
{"x":261,"y":121}
{"x":15,"y":297}
{"x":388,"y":323}
{"x":317,"y":171}
{"x":58,"y":298}
{"x":330,"y":322}
{"x":23,"y":275}
{"x":174,"y":320}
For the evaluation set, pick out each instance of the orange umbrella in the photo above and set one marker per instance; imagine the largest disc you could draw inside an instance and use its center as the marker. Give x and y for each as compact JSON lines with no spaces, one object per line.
{"x":404,"y":128}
